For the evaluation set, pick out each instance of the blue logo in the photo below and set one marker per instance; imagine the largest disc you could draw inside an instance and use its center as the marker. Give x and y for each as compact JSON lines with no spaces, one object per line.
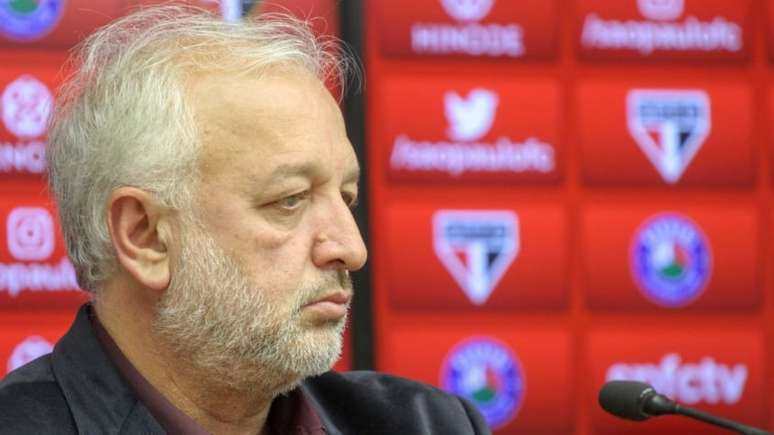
{"x":671,"y":260}
{"x":485,"y":372}
{"x":28,"y":20}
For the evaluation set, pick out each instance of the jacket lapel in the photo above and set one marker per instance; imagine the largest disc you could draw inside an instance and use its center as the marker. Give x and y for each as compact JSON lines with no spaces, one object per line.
{"x":99,"y":399}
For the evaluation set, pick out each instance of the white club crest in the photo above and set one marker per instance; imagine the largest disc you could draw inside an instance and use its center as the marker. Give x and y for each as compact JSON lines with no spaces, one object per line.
{"x":670,"y":126}
{"x":467,"y":10}
{"x":661,"y":10}
{"x":471,"y":117}
{"x":26,"y":104}
{"x":476,"y":247}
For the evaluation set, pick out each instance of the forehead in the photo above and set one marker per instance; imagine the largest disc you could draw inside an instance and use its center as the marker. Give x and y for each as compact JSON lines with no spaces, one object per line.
{"x":249,"y":124}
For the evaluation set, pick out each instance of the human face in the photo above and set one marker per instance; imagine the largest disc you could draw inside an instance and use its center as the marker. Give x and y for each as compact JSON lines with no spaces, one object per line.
{"x":214,"y":317}
{"x":277,"y":177}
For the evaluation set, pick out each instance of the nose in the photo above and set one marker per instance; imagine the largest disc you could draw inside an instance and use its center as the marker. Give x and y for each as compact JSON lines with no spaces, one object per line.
{"x":338,"y":243}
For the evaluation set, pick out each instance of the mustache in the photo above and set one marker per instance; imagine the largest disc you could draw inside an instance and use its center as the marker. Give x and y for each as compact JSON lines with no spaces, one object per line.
{"x":330,"y":282}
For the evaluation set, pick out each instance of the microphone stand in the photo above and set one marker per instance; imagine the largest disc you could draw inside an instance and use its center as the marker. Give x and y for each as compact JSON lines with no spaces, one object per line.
{"x":718,"y":421}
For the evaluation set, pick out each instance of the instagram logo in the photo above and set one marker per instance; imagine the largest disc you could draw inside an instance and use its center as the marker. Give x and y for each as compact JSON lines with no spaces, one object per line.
{"x":30,"y":232}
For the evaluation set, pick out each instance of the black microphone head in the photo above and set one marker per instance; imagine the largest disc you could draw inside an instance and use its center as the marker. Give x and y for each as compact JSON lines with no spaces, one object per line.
{"x":626,"y":399}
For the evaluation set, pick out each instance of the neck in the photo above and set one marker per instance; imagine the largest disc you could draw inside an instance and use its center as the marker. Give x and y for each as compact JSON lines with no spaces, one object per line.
{"x":217,"y":406}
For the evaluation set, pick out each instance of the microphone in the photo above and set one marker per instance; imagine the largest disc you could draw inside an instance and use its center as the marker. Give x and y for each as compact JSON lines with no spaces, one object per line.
{"x":639,"y":401}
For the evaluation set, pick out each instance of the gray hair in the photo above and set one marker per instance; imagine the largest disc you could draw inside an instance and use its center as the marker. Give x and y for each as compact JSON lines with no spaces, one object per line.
{"x":122,"y":120}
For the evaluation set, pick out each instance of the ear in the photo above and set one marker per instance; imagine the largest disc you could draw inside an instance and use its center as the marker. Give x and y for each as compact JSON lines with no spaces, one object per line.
{"x":140,"y":232}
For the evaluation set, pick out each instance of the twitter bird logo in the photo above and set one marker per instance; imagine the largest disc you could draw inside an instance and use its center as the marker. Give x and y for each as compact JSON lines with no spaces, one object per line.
{"x":472,"y":117}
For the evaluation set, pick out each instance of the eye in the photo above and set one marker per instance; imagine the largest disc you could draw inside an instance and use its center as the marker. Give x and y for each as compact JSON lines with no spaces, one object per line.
{"x":292,"y":202}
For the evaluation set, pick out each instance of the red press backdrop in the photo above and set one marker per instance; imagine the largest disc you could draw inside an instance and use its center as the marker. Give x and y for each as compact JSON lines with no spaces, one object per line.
{"x":570,"y":191}
{"x":562,"y":192}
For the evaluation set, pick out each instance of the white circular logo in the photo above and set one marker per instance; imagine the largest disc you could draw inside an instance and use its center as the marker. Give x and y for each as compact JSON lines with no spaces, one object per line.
{"x":31,"y":348}
{"x":30,"y":233}
{"x":662,"y":10}
{"x":26,"y":104}
{"x":467,"y":10}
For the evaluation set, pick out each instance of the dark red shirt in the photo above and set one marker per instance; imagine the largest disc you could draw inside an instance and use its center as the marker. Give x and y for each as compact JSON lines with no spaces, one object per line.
{"x":290,"y":414}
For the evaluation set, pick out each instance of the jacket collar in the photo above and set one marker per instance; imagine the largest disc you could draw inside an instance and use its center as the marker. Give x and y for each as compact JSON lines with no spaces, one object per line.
{"x":99,"y":399}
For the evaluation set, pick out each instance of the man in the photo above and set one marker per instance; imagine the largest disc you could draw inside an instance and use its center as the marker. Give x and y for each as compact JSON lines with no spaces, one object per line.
{"x":204,"y":183}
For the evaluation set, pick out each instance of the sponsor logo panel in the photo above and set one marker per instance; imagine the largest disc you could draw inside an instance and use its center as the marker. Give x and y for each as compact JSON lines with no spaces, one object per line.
{"x":716,"y":370}
{"x":476,"y":257}
{"x":34,"y":269}
{"x":26,"y":100}
{"x":668,"y":135}
{"x":25,"y":336}
{"x":667,"y":29}
{"x":520,"y":382}
{"x":470,"y":28}
{"x":463,"y":131}
{"x":53,"y":23}
{"x":640,"y":257}
{"x":671,"y":259}
{"x":486,"y":372}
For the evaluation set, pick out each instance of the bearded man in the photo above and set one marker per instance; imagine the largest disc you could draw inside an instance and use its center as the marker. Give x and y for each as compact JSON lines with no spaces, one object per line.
{"x":204,"y":182}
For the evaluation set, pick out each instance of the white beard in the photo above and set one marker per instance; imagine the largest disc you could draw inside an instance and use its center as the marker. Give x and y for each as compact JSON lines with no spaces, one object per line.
{"x":223,"y":326}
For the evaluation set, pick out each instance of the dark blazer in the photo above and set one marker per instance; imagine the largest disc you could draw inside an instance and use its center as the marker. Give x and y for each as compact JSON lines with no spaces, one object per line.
{"x":76,"y":389}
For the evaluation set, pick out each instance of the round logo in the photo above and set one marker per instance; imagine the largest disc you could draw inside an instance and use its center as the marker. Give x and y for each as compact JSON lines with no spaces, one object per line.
{"x":26,"y":104}
{"x":467,"y":10}
{"x":28,"y":20}
{"x":661,"y":9}
{"x":28,"y":350}
{"x":670,"y":260}
{"x":485,"y":372}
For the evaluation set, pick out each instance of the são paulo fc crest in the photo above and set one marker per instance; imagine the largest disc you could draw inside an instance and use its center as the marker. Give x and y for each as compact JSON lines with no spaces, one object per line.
{"x":671,"y":260}
{"x":670,"y":126}
{"x":476,"y":247}
{"x":28,"y":20}
{"x":485,"y":372}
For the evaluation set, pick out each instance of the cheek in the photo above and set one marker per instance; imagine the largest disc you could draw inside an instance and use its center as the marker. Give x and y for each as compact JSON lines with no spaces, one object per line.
{"x":280,"y":266}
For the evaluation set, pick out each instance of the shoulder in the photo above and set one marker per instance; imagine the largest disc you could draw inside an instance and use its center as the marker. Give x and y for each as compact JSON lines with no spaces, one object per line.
{"x":381,"y":403}
{"x":32,"y":402}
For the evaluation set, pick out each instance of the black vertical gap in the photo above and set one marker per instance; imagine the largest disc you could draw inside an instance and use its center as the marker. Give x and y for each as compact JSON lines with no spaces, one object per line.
{"x":362,"y":328}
